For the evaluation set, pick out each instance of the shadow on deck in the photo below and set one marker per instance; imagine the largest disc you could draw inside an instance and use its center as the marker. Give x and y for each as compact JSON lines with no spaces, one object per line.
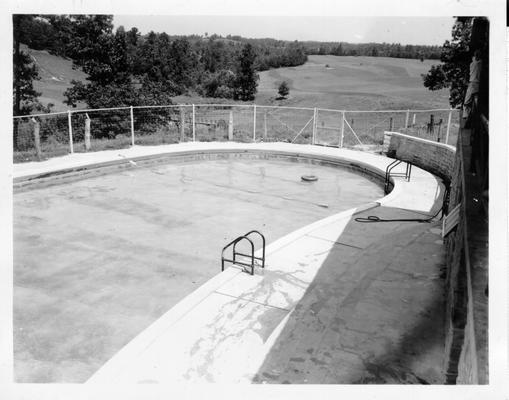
{"x":374,"y":312}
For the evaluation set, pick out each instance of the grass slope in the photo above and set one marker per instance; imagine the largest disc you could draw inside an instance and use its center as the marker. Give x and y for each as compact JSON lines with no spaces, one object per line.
{"x":354,"y":83}
{"x":56,"y":74}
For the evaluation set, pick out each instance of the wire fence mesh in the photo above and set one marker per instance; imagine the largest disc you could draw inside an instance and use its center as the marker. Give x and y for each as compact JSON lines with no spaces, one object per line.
{"x":117,"y":128}
{"x":433,"y":125}
{"x":107,"y":129}
{"x":223,"y":122}
{"x":161,"y":125}
{"x":366,"y":129}
{"x":278,"y":124}
{"x":328,"y":127}
{"x":53,"y":132}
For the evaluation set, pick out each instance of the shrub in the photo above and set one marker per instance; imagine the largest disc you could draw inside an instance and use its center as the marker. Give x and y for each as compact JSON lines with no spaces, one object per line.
{"x":220,"y":84}
{"x":283,"y":90}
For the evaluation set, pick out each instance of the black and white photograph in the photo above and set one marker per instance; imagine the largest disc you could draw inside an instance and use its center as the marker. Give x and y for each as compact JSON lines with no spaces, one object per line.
{"x":229,"y":198}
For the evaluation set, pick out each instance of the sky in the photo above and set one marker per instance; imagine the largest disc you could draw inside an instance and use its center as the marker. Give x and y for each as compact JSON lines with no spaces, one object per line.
{"x":404,"y":30}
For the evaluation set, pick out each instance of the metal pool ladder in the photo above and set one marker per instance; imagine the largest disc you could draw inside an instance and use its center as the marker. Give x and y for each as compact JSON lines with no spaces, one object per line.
{"x":252,"y":258}
{"x":388,"y":173}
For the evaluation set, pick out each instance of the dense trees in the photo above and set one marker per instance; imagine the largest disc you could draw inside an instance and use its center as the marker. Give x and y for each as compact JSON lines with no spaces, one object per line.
{"x":123,"y":69}
{"x":38,"y":33}
{"x":24,"y":71}
{"x":274,"y":53}
{"x":159,"y":66}
{"x":219,"y":84}
{"x":453,"y":72}
{"x":372,"y":49}
{"x":247,"y":79}
{"x":103,"y":56}
{"x":24,"y":96}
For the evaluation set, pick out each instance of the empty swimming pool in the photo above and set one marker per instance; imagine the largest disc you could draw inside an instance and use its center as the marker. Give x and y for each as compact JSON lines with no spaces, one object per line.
{"x":97,"y":260}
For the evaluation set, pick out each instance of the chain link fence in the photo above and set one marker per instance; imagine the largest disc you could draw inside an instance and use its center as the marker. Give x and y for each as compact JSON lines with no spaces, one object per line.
{"x":42,"y":136}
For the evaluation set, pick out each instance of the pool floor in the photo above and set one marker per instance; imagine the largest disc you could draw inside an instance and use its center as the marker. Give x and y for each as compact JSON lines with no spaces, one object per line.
{"x":98,"y":260}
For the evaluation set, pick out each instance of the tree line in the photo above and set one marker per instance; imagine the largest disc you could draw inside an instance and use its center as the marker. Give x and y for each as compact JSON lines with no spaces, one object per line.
{"x":395,"y":50}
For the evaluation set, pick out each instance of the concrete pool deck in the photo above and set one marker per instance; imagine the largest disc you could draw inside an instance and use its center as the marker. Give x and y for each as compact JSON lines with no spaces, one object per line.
{"x":338,"y":302}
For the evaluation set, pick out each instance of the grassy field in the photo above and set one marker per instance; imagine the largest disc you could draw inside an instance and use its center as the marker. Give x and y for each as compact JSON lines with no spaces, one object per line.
{"x":353,"y":83}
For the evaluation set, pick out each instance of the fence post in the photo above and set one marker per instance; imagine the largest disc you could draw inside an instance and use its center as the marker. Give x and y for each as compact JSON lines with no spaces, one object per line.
{"x":413,"y":120}
{"x":431,"y":123}
{"x":448,"y":127}
{"x":37,"y":138}
{"x":69,"y":121}
{"x":406,"y":118}
{"x":194,"y":124}
{"x":132,"y":126}
{"x":230,"y":126}
{"x":315,"y":112}
{"x":390,"y":124}
{"x":342,"y":129}
{"x":265,"y":125}
{"x":87,"y":132}
{"x":182,"y":122}
{"x":254,"y":123}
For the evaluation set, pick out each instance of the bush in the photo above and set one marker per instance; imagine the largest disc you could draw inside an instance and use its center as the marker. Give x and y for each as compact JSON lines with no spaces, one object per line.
{"x":220,"y":84}
{"x":283,"y":90}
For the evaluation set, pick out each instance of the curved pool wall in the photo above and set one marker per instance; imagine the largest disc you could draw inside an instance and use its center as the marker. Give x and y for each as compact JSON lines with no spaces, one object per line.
{"x":421,"y":194}
{"x":54,"y":175}
{"x":83,"y":165}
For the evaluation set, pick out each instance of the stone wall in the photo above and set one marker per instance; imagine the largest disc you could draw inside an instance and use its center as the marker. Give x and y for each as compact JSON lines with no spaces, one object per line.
{"x":437,"y":158}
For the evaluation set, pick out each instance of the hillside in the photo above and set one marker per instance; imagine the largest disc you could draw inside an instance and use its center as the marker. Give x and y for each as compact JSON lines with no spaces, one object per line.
{"x":324,"y":81}
{"x":354,"y":83}
{"x":56,"y":74}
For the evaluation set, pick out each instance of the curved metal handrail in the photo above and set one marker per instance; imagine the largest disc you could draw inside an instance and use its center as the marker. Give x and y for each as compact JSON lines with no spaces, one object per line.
{"x":235,"y":253}
{"x":388,"y":173}
{"x":263,"y":245}
{"x":234,"y":261}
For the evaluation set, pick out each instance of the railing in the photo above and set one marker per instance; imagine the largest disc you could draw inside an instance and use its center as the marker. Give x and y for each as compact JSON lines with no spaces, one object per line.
{"x":389,"y":173}
{"x":41,"y":136}
{"x":235,"y":261}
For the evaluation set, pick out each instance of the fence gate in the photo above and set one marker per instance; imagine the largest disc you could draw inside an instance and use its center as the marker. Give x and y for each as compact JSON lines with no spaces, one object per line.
{"x":284,"y":124}
{"x":329,"y":128}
